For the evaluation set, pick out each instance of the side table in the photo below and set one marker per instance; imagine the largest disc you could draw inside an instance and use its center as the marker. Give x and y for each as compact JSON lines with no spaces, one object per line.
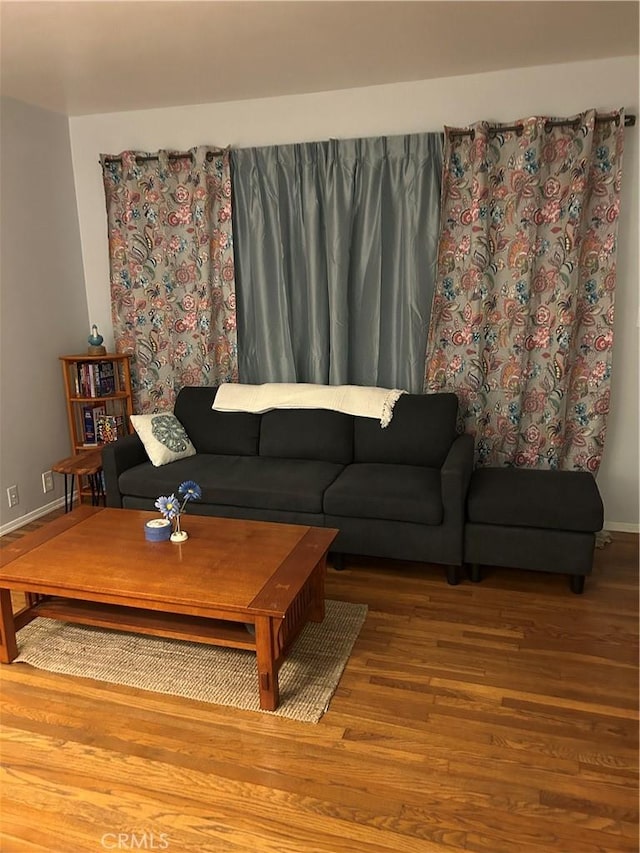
{"x":88,"y":465}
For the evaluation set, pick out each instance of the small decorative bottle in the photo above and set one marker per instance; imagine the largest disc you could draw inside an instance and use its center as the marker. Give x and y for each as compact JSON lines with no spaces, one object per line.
{"x":95,"y":342}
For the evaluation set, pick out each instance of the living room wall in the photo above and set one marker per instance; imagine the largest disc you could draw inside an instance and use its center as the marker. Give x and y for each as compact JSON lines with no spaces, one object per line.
{"x":428,"y":105}
{"x":43,"y":302}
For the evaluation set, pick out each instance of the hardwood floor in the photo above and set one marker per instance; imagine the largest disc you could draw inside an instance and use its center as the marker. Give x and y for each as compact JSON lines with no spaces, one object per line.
{"x":491,"y":717}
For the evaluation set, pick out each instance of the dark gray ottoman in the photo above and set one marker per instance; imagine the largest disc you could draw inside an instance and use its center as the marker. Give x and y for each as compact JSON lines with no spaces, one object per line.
{"x":540,"y":520}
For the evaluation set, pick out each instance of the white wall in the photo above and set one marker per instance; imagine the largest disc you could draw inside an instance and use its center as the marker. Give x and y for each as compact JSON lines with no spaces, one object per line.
{"x":43,"y":302}
{"x":555,"y":90}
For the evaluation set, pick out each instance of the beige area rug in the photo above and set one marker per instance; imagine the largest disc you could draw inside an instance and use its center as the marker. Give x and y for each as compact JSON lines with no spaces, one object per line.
{"x":308,"y":677}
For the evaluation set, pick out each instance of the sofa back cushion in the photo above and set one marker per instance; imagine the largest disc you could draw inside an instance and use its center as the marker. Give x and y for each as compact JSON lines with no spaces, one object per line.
{"x":307,"y":434}
{"x":422,"y":430}
{"x":234,"y":433}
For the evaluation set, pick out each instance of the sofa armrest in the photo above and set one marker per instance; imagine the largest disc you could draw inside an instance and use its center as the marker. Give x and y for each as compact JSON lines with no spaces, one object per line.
{"x":455,"y":478}
{"x":119,"y":456}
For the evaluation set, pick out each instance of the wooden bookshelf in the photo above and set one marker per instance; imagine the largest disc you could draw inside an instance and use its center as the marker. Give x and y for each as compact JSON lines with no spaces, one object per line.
{"x":98,"y":398}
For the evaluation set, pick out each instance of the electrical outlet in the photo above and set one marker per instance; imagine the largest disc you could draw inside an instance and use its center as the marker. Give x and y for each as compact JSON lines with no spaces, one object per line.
{"x":12,"y":496}
{"x":47,"y":481}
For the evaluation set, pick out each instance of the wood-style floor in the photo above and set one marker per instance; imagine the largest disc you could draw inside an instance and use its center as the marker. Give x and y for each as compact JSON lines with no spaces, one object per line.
{"x":490,"y":717}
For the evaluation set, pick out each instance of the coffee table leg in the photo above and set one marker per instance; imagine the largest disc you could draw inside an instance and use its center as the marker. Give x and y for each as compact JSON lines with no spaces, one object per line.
{"x":8,"y":644}
{"x":267,"y":670}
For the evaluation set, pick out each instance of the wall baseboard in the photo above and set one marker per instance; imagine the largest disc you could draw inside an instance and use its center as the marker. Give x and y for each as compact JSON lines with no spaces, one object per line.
{"x":621,"y":527}
{"x":31,"y":516}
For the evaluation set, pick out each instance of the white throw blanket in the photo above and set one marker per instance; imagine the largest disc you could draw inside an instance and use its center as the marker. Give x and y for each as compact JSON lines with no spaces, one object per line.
{"x":351,"y":399}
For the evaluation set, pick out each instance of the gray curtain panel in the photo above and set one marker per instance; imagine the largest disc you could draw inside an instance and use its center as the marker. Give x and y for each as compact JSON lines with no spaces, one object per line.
{"x":335,"y":248}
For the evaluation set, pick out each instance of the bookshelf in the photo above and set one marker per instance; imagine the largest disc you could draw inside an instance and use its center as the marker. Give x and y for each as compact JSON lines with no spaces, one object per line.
{"x":98,"y":396}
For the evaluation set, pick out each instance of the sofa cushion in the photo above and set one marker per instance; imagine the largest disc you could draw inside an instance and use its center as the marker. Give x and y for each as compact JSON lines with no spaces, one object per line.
{"x":163,"y":436}
{"x":216,"y":432}
{"x":307,"y":434}
{"x":389,"y":492}
{"x":421,"y":432}
{"x":246,"y":481}
{"x":521,"y":497}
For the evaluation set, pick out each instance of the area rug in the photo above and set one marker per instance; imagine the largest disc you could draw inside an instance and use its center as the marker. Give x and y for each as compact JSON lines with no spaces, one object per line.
{"x":307,"y":679}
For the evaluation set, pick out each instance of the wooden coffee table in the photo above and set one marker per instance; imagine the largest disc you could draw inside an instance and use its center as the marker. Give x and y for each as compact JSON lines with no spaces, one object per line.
{"x":95,"y":567}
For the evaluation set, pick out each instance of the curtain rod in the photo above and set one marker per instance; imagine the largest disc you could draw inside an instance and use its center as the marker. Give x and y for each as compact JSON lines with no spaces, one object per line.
{"x":176,"y":155}
{"x":629,"y":121}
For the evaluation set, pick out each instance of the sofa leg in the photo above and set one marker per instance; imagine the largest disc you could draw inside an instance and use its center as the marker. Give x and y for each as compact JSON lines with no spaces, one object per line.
{"x":452,"y":575}
{"x":577,"y":584}
{"x":337,"y":561}
{"x":475,"y":573}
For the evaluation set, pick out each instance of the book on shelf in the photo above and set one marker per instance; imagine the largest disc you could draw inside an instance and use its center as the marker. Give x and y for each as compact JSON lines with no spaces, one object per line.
{"x":95,"y":379}
{"x":90,"y":414}
{"x":84,"y":379}
{"x":106,"y":380}
{"x":80,"y":380}
{"x":109,"y":428}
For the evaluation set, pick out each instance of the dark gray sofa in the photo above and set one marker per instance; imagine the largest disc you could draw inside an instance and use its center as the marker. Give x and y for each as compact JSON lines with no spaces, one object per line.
{"x":397,"y":492}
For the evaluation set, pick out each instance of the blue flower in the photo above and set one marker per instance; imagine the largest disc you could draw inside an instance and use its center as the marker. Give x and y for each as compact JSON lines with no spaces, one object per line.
{"x":448,"y":290}
{"x":574,"y":208}
{"x":531,"y":166}
{"x":484,"y":449}
{"x":514,"y":413}
{"x":581,"y":414}
{"x":456,"y":166}
{"x":190,"y":491}
{"x":168,"y":506}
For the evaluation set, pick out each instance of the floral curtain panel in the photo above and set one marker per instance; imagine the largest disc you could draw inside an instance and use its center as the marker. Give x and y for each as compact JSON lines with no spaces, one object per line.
{"x":172,"y":270}
{"x":522,"y":322}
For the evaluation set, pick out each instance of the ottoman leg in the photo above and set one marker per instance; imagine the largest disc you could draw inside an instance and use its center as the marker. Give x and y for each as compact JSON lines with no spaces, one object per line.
{"x":577,"y":584}
{"x":452,"y":575}
{"x":475,"y":573}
